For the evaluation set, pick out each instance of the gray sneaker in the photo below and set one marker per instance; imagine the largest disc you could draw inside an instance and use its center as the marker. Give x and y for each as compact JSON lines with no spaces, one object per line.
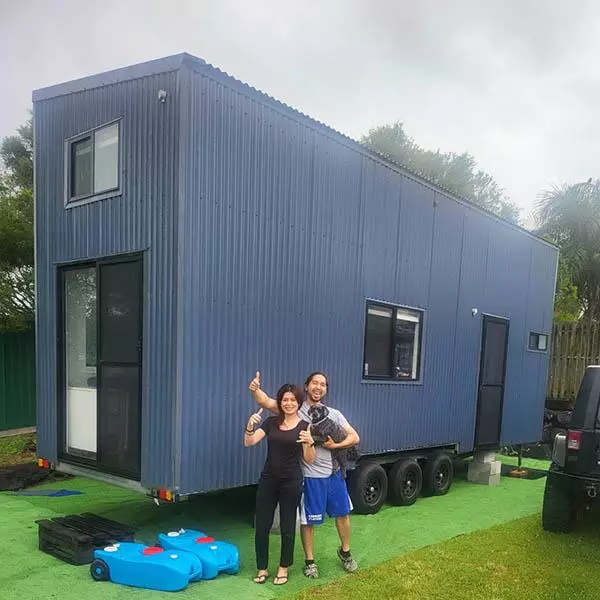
{"x":348,"y":562}
{"x":311,"y":571}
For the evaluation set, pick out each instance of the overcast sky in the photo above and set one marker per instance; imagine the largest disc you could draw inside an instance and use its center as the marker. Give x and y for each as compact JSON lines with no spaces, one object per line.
{"x":514,"y":82}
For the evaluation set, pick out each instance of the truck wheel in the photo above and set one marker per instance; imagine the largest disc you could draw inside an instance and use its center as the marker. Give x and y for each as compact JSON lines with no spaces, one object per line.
{"x":558,"y":512}
{"x":437,"y":475}
{"x":99,"y":571}
{"x":368,"y":486}
{"x":406,"y":480}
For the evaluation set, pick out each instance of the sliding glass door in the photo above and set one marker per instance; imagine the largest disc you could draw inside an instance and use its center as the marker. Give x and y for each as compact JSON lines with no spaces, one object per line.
{"x":101,"y":348}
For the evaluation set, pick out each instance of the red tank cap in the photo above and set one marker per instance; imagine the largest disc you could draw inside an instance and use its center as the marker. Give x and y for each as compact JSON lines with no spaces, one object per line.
{"x":152,"y":550}
{"x":205,"y":540}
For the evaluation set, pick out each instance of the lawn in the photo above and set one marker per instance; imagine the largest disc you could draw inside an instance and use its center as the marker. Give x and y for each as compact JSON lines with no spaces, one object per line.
{"x":394,"y":531}
{"x":513,"y":561}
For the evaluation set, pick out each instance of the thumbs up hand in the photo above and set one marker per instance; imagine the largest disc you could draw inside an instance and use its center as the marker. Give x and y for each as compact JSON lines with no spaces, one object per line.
{"x":254,"y":419}
{"x":255,"y":383}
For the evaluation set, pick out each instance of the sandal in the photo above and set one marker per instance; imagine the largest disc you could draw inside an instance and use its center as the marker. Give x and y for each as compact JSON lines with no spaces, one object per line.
{"x":280,"y":580}
{"x":261,"y":578}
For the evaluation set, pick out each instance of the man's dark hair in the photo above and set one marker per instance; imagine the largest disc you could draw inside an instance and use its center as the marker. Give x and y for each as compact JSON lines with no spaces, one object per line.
{"x":313,"y":375}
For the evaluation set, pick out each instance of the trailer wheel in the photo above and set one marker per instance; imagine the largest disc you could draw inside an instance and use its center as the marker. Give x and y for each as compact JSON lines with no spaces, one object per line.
{"x":99,"y":571}
{"x":558,"y":512}
{"x":368,"y":486}
{"x":406,"y":481}
{"x":438,"y":474}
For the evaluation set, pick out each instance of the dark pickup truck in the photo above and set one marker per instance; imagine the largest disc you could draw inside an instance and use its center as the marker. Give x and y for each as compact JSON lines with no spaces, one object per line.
{"x":573,"y":481}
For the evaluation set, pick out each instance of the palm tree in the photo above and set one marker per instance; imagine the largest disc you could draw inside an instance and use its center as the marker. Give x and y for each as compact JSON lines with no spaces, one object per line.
{"x":570,"y":217}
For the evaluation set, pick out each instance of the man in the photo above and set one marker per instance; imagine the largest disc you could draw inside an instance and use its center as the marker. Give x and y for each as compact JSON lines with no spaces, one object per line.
{"x":325,"y":491}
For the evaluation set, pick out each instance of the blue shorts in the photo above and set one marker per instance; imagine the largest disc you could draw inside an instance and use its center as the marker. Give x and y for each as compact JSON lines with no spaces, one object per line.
{"x":324,"y":495}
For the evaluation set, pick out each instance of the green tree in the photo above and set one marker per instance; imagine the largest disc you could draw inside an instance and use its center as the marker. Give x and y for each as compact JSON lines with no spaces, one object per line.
{"x":457,"y":173}
{"x":567,"y":304}
{"x":569,"y":216}
{"x":17,"y":295}
{"x":16,"y":153}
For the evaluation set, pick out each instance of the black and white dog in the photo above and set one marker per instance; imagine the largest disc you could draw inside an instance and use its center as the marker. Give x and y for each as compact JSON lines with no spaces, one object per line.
{"x":323,"y":427}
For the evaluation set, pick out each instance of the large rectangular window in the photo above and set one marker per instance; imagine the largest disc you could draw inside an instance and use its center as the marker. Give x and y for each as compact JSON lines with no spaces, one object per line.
{"x":93,"y":163}
{"x":392,"y":342}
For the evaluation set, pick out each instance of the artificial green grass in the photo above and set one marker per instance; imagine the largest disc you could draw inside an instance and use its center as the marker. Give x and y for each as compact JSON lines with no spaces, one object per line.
{"x":28,"y":573}
{"x":14,"y":450}
{"x":513,"y":561}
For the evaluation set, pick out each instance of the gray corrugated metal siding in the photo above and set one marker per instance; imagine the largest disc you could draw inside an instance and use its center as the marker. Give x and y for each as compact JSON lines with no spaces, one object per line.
{"x":281,"y":230}
{"x":141,"y":219}
{"x":288,"y":233}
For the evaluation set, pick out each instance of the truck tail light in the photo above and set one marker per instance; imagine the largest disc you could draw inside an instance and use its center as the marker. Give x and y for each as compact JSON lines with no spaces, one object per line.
{"x":574,"y":440}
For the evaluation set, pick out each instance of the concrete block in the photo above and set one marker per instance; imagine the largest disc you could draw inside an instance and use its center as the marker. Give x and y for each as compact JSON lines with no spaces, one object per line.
{"x":494,"y":479}
{"x":485,"y":473}
{"x":484,"y":457}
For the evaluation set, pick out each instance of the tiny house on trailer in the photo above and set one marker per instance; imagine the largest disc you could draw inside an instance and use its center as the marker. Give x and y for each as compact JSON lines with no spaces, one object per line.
{"x":191,"y":230}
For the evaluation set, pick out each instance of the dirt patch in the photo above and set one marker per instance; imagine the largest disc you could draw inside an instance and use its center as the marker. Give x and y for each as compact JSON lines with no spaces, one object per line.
{"x":18,"y":450}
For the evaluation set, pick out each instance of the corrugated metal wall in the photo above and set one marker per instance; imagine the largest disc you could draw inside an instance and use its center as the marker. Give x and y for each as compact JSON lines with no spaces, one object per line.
{"x":141,"y":219}
{"x":287,"y":231}
{"x":17,"y":380}
{"x":283,"y":230}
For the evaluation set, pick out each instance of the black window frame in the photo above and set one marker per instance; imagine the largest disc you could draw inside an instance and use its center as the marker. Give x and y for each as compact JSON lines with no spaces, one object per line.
{"x":394,"y":308}
{"x":538,"y":334}
{"x":93,"y":196}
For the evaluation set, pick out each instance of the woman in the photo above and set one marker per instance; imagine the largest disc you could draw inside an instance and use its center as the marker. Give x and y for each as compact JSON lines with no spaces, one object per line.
{"x":288,"y":438}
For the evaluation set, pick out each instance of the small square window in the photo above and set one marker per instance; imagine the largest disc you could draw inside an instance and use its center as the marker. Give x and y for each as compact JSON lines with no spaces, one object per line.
{"x":392,"y":342}
{"x":538,"y":341}
{"x":94,"y":161}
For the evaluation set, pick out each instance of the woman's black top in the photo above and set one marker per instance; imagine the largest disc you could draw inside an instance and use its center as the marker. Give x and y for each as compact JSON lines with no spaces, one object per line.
{"x":284,"y":451}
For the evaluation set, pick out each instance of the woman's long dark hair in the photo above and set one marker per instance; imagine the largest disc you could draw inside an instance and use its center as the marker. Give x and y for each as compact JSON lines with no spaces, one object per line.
{"x":288,"y":387}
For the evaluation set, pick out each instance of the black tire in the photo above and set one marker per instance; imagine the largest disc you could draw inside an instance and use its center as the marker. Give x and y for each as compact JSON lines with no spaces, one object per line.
{"x":438,"y":474}
{"x":405,"y":482}
{"x":368,"y":486}
{"x":99,"y":571}
{"x":558,"y":510}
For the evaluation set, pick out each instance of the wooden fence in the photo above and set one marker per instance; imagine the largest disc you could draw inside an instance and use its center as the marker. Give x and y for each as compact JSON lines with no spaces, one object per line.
{"x":574,"y":347}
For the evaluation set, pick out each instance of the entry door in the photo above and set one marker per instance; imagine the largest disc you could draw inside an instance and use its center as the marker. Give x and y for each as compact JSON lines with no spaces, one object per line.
{"x":101,"y":346}
{"x":492,"y":373}
{"x":119,"y":367}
